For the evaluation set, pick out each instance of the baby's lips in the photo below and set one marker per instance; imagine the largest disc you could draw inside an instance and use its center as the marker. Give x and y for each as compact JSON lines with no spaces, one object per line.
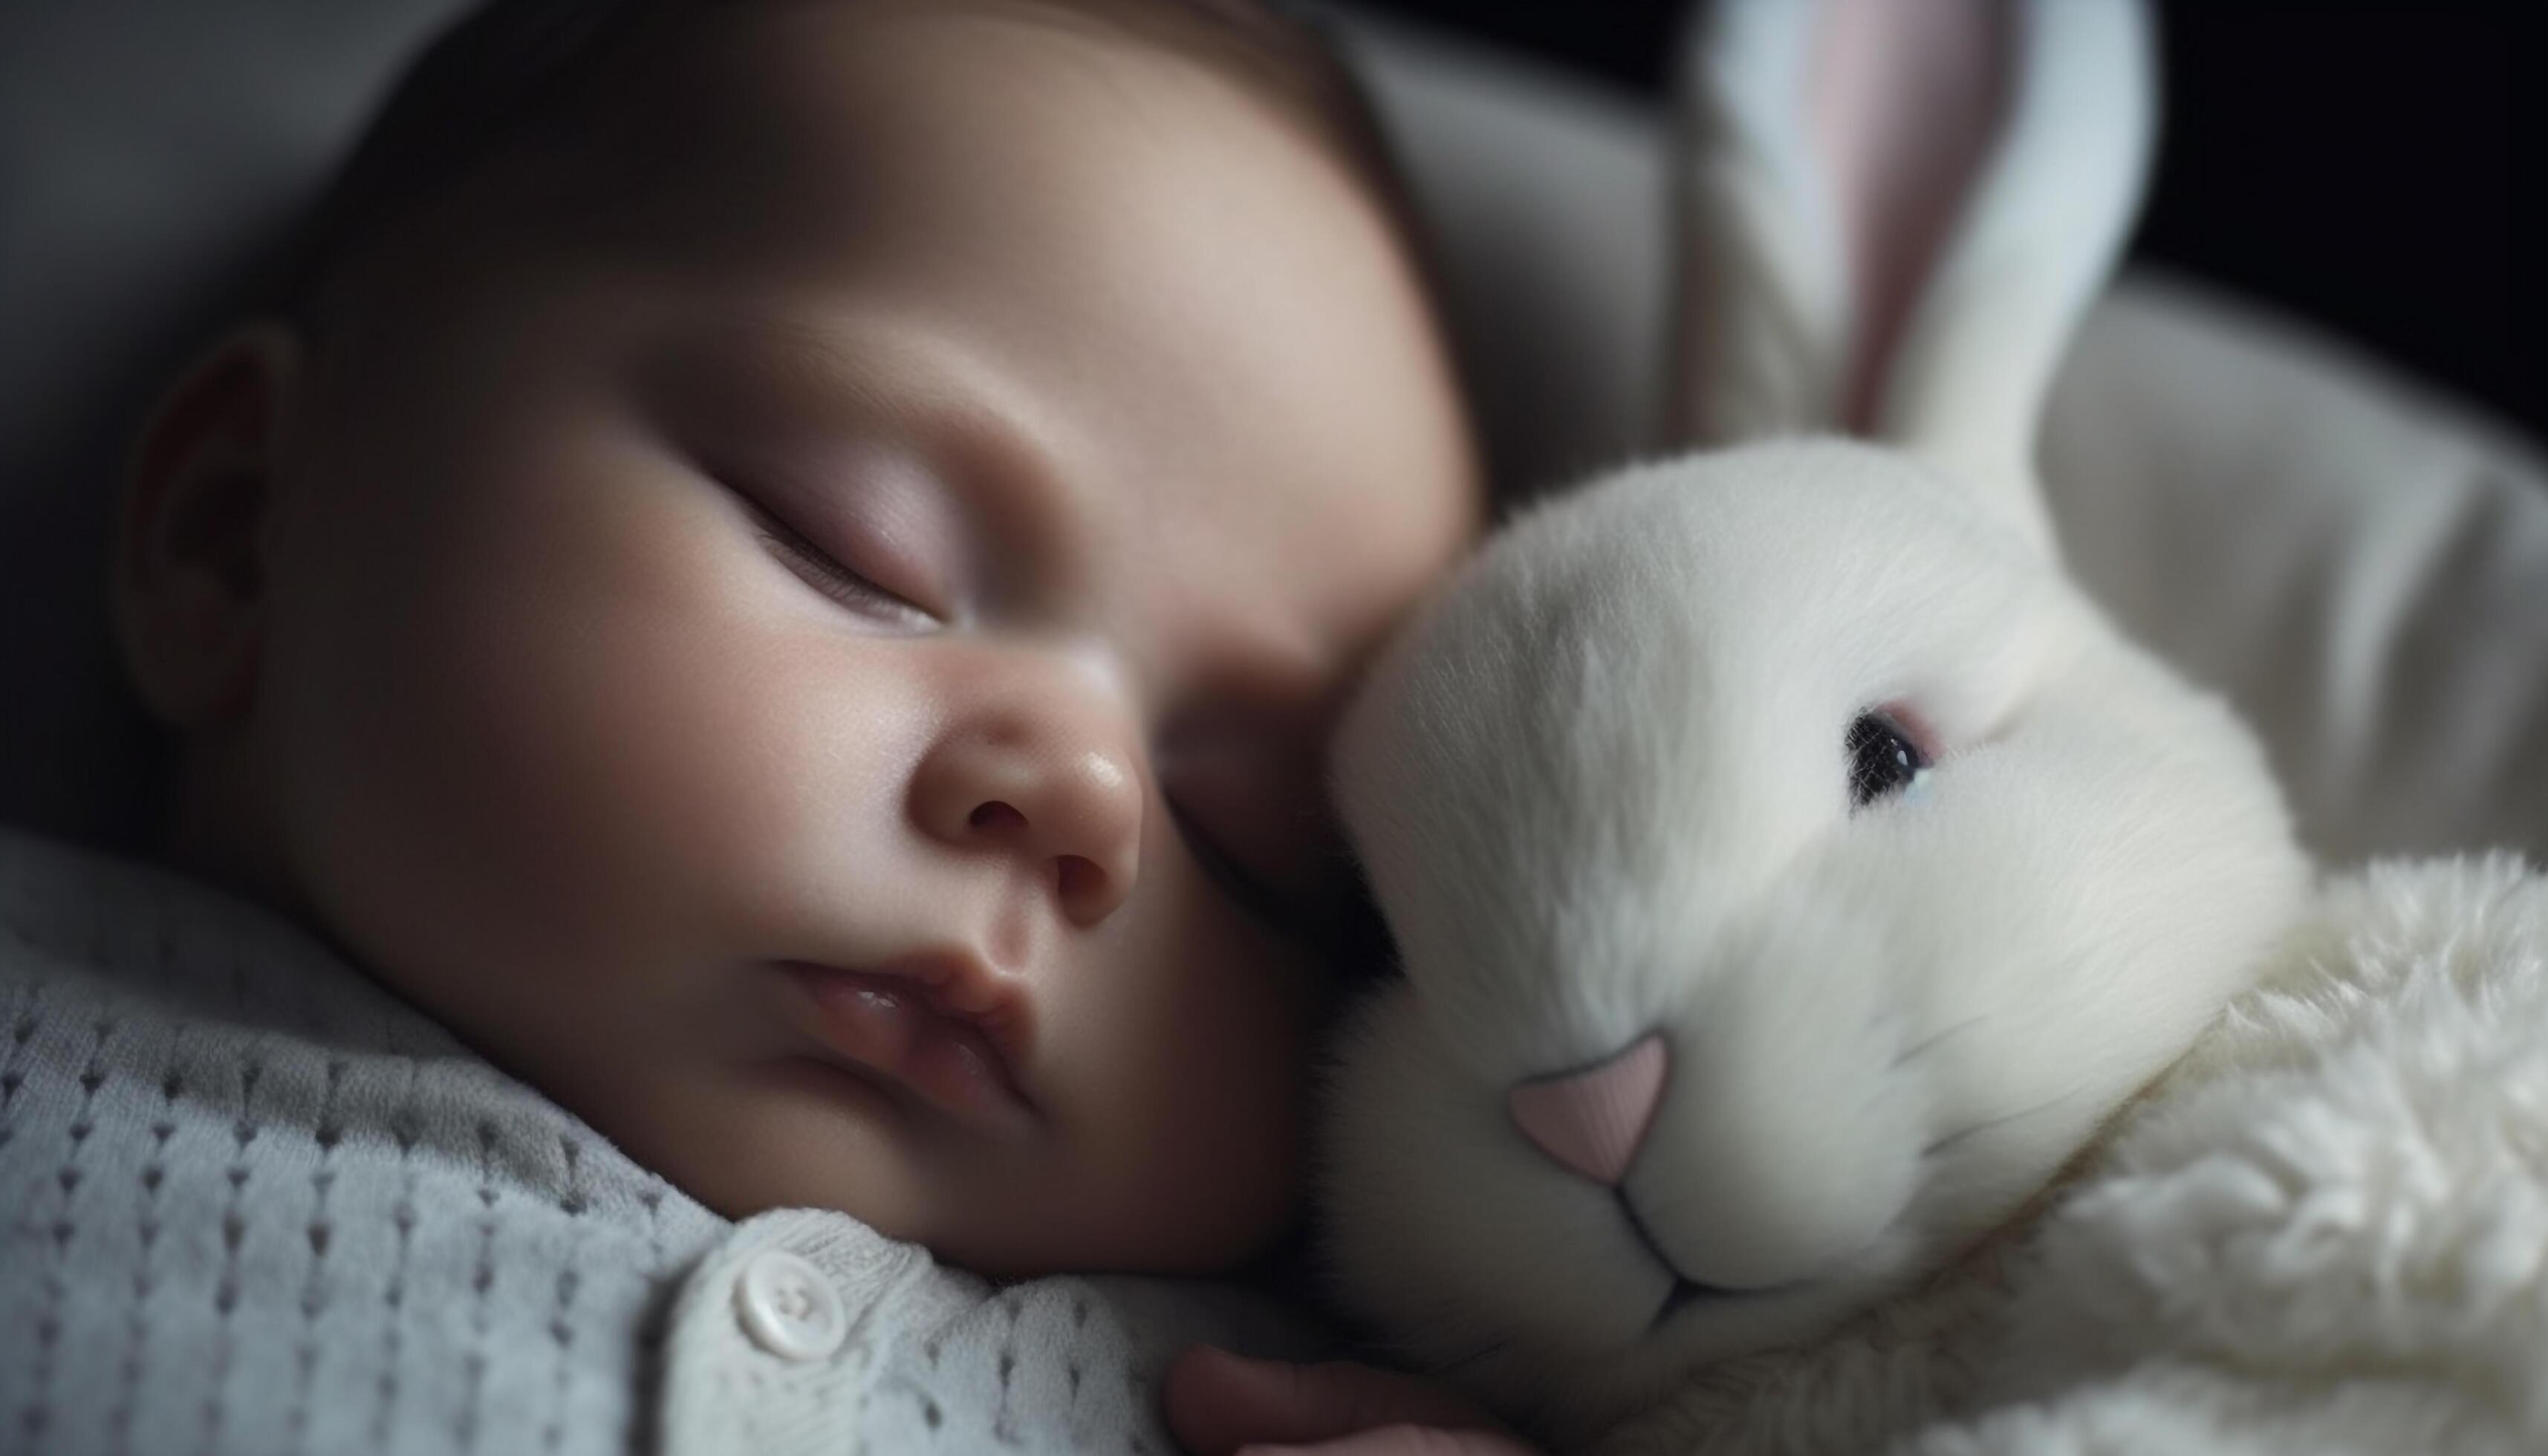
{"x":890,"y":1025}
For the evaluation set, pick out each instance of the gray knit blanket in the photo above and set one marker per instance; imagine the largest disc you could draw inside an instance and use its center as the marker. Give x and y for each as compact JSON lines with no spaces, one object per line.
{"x":253,"y":1202}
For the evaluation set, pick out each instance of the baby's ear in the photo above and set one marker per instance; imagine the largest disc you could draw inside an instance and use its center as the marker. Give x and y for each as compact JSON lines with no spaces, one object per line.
{"x":189,"y":548}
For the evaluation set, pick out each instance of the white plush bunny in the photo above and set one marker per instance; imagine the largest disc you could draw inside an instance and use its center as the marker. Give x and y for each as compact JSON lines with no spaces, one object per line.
{"x":1854,"y":998}
{"x":1792,"y":869}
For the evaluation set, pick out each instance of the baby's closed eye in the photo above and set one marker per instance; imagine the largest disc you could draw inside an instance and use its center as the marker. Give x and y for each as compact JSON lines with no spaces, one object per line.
{"x":1249,"y":804}
{"x":830,"y":575}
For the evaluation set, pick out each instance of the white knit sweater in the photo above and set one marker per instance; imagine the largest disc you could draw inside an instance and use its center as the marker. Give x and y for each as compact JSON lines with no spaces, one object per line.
{"x":253,"y":1202}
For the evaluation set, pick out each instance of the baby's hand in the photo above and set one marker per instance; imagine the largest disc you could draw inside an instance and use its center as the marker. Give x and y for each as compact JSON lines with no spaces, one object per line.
{"x":1219,"y":1402}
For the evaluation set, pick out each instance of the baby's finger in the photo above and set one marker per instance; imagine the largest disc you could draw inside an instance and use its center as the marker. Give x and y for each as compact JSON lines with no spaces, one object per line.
{"x":1217,"y":1401}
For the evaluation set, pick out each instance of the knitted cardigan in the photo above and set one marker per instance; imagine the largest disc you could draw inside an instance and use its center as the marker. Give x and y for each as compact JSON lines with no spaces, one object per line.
{"x":250,"y":1202}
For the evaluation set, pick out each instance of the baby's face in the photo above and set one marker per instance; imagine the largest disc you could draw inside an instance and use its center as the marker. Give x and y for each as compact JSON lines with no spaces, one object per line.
{"x":824,"y":671}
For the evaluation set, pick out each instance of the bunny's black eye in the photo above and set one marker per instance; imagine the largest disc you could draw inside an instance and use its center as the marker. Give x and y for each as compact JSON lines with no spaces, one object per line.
{"x":1882,"y":760}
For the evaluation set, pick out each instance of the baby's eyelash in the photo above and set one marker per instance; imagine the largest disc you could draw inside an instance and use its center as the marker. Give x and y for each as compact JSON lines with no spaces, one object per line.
{"x":1234,"y":879}
{"x":828,"y":576}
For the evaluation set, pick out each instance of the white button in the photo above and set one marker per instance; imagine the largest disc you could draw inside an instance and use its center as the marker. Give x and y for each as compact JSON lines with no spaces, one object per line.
{"x":789,"y":1308}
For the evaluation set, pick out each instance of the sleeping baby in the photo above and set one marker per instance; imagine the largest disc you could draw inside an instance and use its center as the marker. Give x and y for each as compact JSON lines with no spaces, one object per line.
{"x":747,"y":640}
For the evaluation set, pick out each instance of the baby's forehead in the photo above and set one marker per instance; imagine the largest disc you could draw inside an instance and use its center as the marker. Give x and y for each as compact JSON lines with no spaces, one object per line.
{"x":1191,"y":322}
{"x":628,"y":105}
{"x":756,"y":126}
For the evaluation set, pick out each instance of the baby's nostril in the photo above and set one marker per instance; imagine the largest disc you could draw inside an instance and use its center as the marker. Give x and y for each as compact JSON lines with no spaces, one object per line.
{"x":1075,"y":879}
{"x":995,"y":815}
{"x":1593,"y":1121}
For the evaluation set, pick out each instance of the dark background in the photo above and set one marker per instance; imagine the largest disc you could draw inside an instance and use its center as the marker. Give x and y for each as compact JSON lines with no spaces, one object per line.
{"x":2377,"y":167}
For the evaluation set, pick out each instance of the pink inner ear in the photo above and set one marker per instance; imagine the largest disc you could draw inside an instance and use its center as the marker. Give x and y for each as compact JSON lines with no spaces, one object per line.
{"x":1907,"y":98}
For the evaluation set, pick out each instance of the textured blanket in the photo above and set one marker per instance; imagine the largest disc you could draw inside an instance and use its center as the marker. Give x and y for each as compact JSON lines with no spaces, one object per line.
{"x":2325,"y":1231}
{"x":249,"y":1203}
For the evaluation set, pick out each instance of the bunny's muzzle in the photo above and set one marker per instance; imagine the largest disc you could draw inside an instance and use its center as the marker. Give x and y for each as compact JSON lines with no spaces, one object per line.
{"x":1757,"y":1230}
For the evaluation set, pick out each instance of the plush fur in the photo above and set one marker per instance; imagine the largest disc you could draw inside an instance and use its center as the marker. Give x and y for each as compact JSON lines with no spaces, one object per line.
{"x":2325,"y":1231}
{"x":1601,"y":792}
{"x":1602,"y":788}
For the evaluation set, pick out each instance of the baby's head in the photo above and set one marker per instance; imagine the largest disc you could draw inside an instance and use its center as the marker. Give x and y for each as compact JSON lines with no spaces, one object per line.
{"x":792,"y":593}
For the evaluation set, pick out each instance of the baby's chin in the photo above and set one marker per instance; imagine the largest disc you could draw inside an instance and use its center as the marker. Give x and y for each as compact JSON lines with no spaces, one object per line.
{"x":779,"y":1135}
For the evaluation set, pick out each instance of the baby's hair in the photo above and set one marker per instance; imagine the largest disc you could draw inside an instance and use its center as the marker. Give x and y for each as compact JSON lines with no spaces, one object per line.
{"x":509,"y":69}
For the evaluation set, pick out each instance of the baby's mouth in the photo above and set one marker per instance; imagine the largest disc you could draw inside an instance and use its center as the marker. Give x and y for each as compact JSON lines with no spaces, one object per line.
{"x":902,"y":1029}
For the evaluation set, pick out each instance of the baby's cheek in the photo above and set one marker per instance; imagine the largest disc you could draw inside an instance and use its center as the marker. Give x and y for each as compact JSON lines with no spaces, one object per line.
{"x":1206,"y":1090}
{"x":582,"y":755}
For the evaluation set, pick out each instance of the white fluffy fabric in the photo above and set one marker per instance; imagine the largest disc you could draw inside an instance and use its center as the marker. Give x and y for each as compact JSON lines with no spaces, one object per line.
{"x":2325,"y":1230}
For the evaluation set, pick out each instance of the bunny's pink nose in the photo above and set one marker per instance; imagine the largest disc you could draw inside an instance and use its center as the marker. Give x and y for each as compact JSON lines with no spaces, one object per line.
{"x":1593,"y":1121}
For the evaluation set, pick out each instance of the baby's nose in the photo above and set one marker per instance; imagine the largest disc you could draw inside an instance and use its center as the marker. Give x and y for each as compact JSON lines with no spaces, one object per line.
{"x":1066,"y":799}
{"x":1593,"y":1121}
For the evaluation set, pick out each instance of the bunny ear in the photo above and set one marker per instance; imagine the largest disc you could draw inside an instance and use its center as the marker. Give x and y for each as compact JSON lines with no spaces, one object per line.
{"x":1894,"y":214}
